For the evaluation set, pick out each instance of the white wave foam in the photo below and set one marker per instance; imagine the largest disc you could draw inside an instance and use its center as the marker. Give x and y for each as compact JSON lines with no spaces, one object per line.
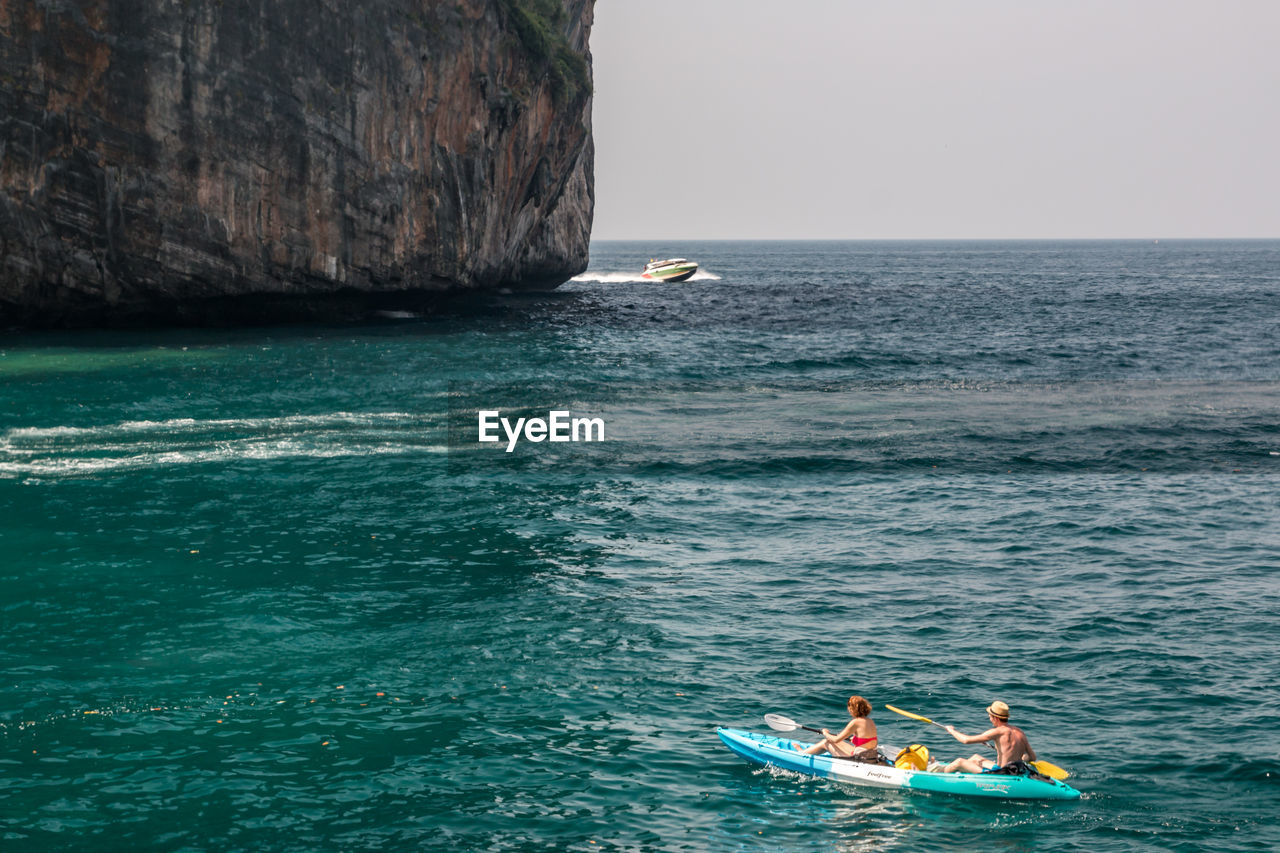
{"x":609,"y":277}
{"x":189,"y":425}
{"x":68,"y":466}
{"x":63,"y":451}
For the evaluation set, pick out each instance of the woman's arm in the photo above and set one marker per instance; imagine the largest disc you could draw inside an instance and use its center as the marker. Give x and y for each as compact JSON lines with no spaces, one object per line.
{"x":845,"y":733}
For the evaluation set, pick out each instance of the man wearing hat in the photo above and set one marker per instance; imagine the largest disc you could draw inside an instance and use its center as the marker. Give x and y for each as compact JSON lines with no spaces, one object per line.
{"x":1011,"y":744}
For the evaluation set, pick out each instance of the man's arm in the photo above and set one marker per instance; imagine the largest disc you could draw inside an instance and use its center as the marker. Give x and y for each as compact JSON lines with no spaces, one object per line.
{"x":964,"y":738}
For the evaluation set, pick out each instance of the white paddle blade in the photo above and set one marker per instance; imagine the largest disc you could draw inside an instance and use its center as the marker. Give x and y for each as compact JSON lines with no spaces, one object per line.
{"x":779,"y":723}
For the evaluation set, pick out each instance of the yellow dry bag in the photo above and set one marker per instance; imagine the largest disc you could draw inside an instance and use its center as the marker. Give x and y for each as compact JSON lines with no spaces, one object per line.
{"x":914,"y":757}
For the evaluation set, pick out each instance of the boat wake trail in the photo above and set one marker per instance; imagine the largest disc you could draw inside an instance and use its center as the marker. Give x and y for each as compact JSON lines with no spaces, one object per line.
{"x":80,"y":451}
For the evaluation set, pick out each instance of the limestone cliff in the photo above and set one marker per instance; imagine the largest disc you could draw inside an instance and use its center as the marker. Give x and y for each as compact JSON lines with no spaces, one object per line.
{"x":164,"y":159}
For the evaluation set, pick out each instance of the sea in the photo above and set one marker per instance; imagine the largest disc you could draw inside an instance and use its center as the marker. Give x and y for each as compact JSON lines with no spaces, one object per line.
{"x":266,"y":588}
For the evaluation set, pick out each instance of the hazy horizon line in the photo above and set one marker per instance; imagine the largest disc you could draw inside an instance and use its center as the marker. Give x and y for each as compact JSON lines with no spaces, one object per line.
{"x":927,"y":239}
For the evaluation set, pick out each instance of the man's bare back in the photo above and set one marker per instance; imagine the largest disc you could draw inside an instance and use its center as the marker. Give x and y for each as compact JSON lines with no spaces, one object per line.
{"x":1010,"y":743}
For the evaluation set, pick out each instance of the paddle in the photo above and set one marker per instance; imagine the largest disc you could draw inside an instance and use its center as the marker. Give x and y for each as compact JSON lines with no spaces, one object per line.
{"x":779,"y":723}
{"x":1049,"y":769}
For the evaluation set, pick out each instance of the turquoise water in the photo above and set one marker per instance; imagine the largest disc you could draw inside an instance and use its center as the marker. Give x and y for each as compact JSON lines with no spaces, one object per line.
{"x":263,"y":590}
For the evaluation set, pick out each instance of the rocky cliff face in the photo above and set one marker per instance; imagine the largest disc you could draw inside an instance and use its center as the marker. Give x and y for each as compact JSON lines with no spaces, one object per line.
{"x":176,"y":159}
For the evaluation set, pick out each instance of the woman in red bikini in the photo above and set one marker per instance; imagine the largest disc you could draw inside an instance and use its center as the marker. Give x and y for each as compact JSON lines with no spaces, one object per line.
{"x":854,"y":739}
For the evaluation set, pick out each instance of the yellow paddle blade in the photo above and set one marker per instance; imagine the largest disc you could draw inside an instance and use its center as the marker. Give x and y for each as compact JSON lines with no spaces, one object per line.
{"x":1049,"y":769}
{"x":911,"y":715}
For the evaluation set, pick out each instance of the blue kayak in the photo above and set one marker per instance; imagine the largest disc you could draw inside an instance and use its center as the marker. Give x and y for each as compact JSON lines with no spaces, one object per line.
{"x":783,"y":752}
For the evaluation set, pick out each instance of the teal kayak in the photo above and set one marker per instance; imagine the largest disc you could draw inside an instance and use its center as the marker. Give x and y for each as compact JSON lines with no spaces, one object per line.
{"x":783,"y":752}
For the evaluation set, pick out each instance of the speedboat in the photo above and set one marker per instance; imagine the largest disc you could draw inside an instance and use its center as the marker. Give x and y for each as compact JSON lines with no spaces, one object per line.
{"x":672,"y":269}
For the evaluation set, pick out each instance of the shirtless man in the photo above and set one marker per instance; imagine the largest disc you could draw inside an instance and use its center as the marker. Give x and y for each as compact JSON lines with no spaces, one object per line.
{"x":1011,"y":744}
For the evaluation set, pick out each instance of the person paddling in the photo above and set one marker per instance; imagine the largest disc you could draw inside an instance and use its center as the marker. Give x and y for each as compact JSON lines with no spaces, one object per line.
{"x":1011,"y":745}
{"x":857,"y":739}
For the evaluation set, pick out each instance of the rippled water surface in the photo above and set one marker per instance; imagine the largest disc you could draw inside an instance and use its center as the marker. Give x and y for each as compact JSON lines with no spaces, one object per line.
{"x":263,"y":589}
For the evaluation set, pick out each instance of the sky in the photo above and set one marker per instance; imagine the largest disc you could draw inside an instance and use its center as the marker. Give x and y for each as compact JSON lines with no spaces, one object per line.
{"x":843,"y":119}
